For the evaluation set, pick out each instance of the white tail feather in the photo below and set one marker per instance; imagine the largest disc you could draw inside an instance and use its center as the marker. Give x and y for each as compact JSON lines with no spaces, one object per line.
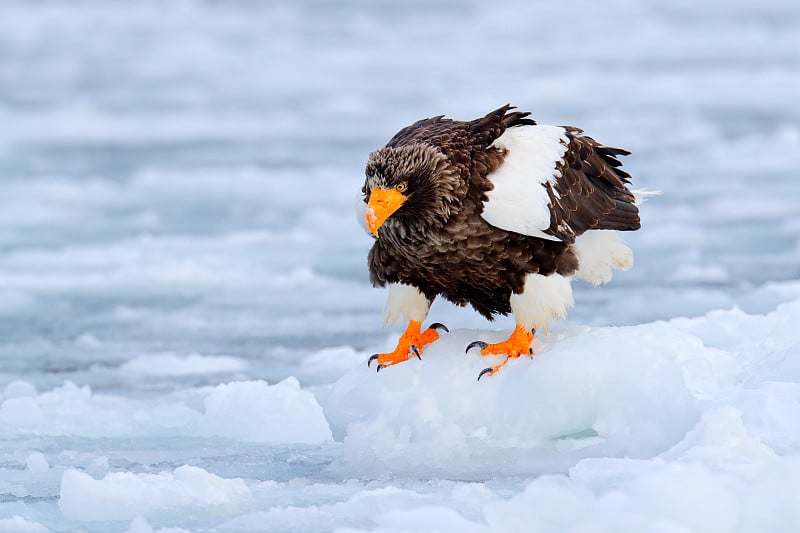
{"x":642,"y":195}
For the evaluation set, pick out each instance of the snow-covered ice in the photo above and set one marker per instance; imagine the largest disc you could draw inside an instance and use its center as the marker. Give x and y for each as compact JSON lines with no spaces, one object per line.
{"x":125,"y":496}
{"x":586,"y":394}
{"x":169,"y":364}
{"x":185,"y":314}
{"x":251,"y":411}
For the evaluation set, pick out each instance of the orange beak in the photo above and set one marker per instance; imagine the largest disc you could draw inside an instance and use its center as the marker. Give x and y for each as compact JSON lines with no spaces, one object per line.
{"x":382,"y":203}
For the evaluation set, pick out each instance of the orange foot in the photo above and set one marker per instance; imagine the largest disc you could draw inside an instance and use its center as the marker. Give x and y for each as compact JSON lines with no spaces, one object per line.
{"x":412,"y":341}
{"x":517,"y":344}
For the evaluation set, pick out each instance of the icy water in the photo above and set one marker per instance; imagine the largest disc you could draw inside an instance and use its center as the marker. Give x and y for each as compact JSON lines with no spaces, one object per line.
{"x":177,"y":223}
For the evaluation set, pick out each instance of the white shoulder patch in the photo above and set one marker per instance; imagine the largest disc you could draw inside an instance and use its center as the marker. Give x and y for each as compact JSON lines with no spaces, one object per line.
{"x":518,"y":201}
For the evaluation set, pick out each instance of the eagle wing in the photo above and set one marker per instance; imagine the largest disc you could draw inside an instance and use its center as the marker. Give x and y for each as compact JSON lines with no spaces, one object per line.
{"x":556,"y":183}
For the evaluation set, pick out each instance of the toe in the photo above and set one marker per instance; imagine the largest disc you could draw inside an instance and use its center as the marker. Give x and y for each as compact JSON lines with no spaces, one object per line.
{"x":416,"y":352}
{"x":485,"y":371}
{"x":480,"y":344}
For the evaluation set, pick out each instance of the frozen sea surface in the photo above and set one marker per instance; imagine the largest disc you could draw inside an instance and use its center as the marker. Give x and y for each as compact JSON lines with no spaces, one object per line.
{"x":184,"y":306}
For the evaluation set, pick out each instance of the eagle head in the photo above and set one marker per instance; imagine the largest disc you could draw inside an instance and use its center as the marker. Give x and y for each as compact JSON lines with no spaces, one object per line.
{"x":411,"y":186}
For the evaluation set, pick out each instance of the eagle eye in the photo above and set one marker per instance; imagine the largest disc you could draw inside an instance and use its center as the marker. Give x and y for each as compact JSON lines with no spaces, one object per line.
{"x":401,"y":187}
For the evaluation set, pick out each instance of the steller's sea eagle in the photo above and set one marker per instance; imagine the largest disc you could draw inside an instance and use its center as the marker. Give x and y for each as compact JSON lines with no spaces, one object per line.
{"x":499,"y":213}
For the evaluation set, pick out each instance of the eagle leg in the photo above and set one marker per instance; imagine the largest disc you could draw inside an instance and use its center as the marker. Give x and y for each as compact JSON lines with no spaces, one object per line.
{"x":519,"y":343}
{"x":412,"y":341}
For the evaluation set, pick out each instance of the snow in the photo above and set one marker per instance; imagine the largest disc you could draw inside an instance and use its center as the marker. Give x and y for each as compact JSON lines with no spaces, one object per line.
{"x":688,"y":424}
{"x":140,"y":525}
{"x":251,"y":411}
{"x":18,"y":524}
{"x":586,"y":394}
{"x":185,"y":312}
{"x":125,"y":495}
{"x":169,"y":364}
{"x":37,"y":462}
{"x":258,"y":412}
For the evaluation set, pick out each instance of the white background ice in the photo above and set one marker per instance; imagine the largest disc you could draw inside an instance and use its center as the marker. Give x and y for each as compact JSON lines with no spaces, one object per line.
{"x":185,"y":313}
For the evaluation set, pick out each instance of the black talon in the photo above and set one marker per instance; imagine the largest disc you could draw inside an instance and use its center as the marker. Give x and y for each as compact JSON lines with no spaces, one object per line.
{"x":371,"y":359}
{"x":481,"y":344}
{"x":530,"y":352}
{"x":415,"y":351}
{"x":380,"y":367}
{"x":484,"y":371}
{"x":438,"y":325}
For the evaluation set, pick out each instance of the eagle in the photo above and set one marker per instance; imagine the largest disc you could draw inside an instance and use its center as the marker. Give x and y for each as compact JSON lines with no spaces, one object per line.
{"x":500,"y":213}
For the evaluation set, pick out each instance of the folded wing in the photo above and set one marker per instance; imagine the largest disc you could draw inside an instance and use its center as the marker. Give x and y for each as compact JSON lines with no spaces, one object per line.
{"x":556,"y":183}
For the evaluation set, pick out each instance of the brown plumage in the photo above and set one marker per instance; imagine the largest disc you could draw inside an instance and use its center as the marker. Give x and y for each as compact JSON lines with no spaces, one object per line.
{"x":437,"y":240}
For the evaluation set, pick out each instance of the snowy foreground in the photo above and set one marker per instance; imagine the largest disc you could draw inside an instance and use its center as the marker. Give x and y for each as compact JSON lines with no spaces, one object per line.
{"x":686,"y":425}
